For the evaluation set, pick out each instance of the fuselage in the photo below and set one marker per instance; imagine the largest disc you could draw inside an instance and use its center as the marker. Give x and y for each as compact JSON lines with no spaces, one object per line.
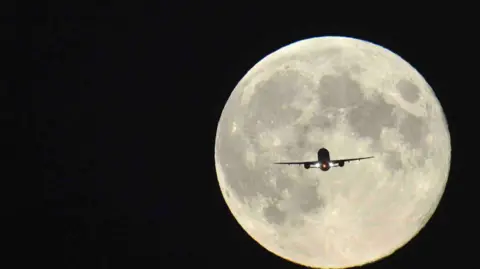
{"x":323,"y":159}
{"x":324,"y":162}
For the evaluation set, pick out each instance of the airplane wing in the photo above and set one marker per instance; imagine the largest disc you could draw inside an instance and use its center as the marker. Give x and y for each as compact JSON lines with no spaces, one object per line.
{"x":349,"y":160}
{"x":298,"y":163}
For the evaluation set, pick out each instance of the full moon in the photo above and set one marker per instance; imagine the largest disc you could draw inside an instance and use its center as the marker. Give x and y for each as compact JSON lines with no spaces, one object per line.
{"x":356,"y":99}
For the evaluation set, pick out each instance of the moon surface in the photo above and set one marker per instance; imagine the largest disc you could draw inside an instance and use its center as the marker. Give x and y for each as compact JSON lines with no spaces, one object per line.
{"x":356,"y":99}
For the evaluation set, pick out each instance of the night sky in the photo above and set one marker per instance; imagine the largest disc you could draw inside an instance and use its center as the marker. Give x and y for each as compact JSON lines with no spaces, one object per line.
{"x":115,"y":128}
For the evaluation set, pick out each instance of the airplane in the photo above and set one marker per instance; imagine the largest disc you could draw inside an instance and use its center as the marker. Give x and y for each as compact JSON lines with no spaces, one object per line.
{"x":324,"y":162}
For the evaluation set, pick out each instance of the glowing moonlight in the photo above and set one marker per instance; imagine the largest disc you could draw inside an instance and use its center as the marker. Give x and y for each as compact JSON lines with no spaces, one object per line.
{"x":356,"y":99}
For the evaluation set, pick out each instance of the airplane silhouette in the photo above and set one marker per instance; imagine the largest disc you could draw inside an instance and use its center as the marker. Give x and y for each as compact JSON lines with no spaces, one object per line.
{"x":324,"y":162}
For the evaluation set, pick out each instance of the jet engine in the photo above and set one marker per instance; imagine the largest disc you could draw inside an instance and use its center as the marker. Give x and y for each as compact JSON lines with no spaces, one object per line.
{"x":306,"y":166}
{"x":341,"y":164}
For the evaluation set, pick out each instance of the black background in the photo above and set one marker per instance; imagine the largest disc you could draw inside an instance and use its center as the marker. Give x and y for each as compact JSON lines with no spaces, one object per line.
{"x":115,"y":128}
